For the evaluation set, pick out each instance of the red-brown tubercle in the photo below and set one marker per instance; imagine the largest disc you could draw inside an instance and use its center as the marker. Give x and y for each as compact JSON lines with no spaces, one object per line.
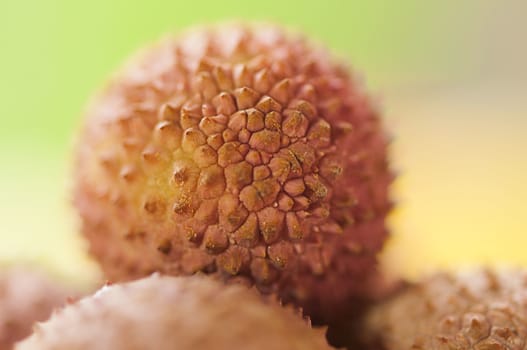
{"x":241,"y":152}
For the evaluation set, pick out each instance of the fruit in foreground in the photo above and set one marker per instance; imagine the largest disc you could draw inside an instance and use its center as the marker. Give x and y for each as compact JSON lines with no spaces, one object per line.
{"x":185,"y":313}
{"x":26,"y":296}
{"x":478,"y":310}
{"x":239,"y":151}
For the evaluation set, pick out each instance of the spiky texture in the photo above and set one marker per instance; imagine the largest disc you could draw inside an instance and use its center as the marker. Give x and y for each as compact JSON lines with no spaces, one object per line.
{"x":184,"y":313}
{"x":26,"y":296}
{"x":482,"y":310}
{"x":238,"y":151}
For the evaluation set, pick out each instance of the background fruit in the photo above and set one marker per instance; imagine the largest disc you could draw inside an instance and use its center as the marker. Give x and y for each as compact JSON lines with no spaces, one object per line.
{"x":239,"y":151}
{"x":26,"y":296}
{"x":174,"y":313}
{"x":477,"y":310}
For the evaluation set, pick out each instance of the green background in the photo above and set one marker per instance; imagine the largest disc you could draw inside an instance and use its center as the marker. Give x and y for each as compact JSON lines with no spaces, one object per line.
{"x":55,"y":53}
{"x":450,"y":75}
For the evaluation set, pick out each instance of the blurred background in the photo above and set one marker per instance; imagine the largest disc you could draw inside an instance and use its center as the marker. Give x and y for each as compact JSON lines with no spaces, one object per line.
{"x":451,"y":76}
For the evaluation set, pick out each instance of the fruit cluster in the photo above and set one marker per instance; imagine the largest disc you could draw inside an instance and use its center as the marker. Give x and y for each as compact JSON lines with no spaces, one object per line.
{"x":248,"y":172}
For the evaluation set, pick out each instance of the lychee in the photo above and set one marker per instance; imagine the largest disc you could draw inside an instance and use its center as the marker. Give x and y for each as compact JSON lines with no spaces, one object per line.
{"x":240,"y":151}
{"x":26,"y":296}
{"x":478,"y":310}
{"x":184,"y":313}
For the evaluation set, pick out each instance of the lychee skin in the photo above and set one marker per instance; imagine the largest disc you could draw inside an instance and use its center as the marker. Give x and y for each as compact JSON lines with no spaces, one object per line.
{"x":241,"y":152}
{"x":184,"y":313}
{"x":478,"y":310}
{"x":26,"y":296}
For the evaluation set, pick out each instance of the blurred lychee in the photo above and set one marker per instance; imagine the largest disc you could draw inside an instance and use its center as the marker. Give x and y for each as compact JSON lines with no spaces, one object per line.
{"x":482,"y":309}
{"x":26,"y":296}
{"x":165,"y":313}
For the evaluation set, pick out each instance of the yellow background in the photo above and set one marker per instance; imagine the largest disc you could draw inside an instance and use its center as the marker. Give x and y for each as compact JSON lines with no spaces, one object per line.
{"x":450,"y":75}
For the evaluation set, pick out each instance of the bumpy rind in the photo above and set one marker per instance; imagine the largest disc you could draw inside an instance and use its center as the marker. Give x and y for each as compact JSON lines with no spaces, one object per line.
{"x":242,"y":152}
{"x":479,"y":310}
{"x":186,"y":313}
{"x":26,"y":296}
